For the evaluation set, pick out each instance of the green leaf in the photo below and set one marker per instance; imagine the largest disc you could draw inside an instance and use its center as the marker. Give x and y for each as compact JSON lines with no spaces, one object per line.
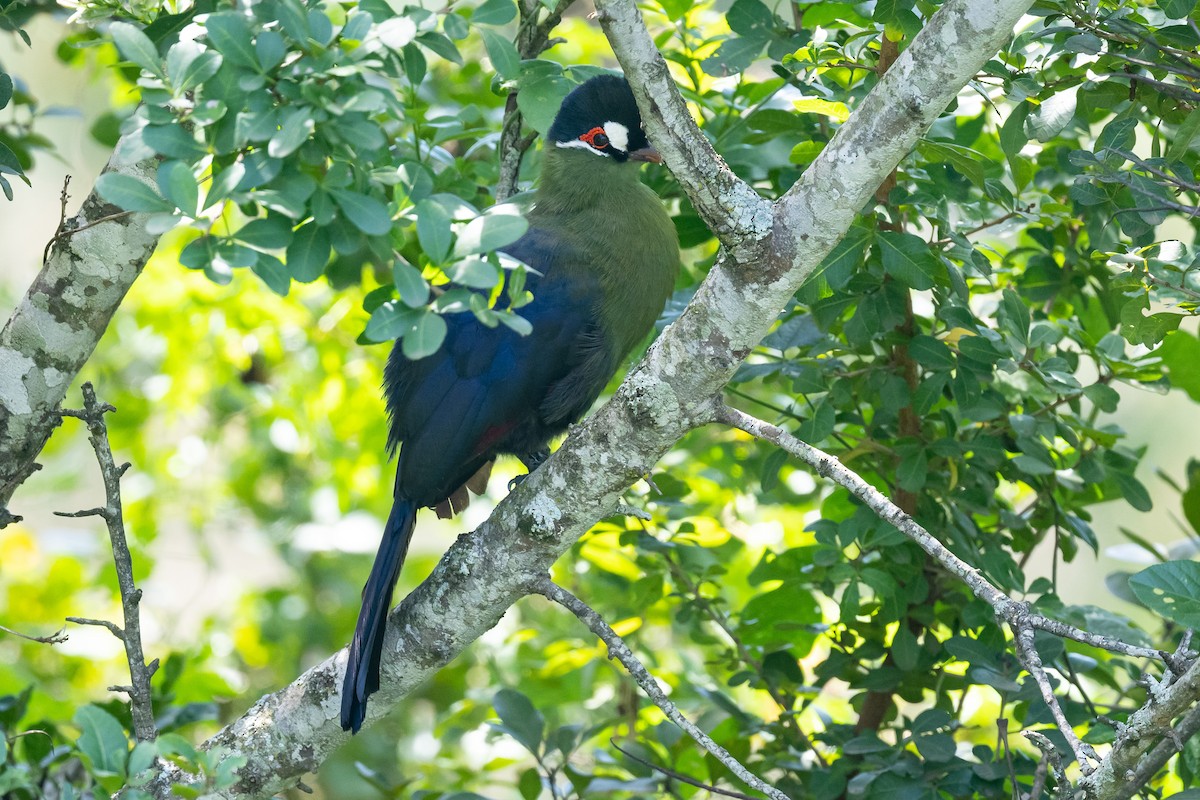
{"x":1172,"y":590}
{"x":294,"y":129}
{"x":750,"y":18}
{"x":6,"y":89}
{"x":1048,"y":119}
{"x":541,"y":90}
{"x":1177,"y":9}
{"x":413,"y":290}
{"x":308,"y":253}
{"x":939,"y":747}
{"x":505,"y":59}
{"x":414,"y":64}
{"x":270,"y":49}
{"x":519,"y":719}
{"x":130,"y":194}
{"x":368,"y":214}
{"x":172,"y":141}
{"x":495,"y":12}
{"x":225,"y":182}
{"x":441,"y":45}
{"x":389,"y":321}
{"x":1181,"y":143}
{"x":425,"y":337}
{"x":734,"y":56}
{"x":271,"y":233}
{"x":135,"y":46}
{"x":474,"y":273}
{"x":969,"y":163}
{"x":1133,"y":491}
{"x":1180,"y":353}
{"x":913,"y":470}
{"x":908,"y":259}
{"x":820,"y":425}
{"x":846,"y":257}
{"x":189,"y":65}
{"x":102,"y":740}
{"x":230,"y":34}
{"x":178,"y":184}
{"x":931,"y":353}
{"x":490,"y":232}
{"x":433,"y":230}
{"x":1014,"y":315}
{"x":273,"y":273}
{"x":776,"y":615}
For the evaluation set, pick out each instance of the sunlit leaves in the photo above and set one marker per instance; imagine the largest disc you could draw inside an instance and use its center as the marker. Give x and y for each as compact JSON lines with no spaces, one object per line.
{"x":1172,"y":590}
{"x":543,"y":87}
{"x":130,"y":194}
{"x":136,"y":47}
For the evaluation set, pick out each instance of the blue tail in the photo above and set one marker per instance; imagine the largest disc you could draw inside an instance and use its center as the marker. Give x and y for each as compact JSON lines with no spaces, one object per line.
{"x":362,"y":667}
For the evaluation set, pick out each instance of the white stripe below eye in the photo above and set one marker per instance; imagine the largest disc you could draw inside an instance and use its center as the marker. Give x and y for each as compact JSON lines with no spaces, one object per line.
{"x":582,"y":145}
{"x":618,"y":135}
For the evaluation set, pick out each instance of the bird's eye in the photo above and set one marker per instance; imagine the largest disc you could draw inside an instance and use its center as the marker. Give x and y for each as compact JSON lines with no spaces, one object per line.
{"x":596,"y":138}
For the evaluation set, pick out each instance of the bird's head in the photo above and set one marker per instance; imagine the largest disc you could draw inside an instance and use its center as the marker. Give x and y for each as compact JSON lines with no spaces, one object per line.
{"x":600,"y":117}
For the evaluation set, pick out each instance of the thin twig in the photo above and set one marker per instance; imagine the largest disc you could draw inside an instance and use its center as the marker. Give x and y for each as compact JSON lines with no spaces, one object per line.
{"x":113,"y":627}
{"x":678,"y":776}
{"x":57,"y":637}
{"x":1028,"y":654}
{"x":786,"y":707}
{"x":1050,"y":753}
{"x":1004,"y":606}
{"x":140,"y":706}
{"x":618,"y":649}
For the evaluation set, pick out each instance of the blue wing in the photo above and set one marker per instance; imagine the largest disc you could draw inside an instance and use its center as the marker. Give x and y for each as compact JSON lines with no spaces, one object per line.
{"x":489,"y":391}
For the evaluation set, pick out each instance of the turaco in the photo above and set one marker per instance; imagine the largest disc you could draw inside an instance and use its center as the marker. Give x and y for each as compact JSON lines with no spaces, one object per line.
{"x":604,"y":256}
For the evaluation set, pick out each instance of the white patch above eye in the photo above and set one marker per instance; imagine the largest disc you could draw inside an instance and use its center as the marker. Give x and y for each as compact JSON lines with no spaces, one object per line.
{"x":618,"y":135}
{"x":582,"y":145}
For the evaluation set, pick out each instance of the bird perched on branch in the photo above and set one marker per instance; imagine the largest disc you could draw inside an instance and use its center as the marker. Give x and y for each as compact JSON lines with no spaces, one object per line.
{"x":603,"y":255}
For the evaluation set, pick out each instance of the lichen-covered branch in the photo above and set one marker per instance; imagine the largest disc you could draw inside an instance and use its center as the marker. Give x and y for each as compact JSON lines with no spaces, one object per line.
{"x":140,"y":706}
{"x":54,"y":330}
{"x":619,"y":650}
{"x":1148,"y":738}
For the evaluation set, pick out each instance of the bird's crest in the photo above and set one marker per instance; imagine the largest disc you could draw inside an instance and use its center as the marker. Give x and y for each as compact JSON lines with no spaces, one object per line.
{"x":601,"y":117}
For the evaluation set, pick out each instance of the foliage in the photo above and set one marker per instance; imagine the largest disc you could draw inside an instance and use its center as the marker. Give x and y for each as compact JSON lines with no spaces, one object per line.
{"x":966,"y":348}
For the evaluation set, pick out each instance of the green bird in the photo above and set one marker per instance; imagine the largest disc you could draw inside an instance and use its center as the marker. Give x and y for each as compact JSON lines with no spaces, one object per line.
{"x":603,"y":255}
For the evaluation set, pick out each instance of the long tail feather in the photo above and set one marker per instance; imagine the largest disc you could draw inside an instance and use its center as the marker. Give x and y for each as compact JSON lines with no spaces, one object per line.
{"x":362,"y":666}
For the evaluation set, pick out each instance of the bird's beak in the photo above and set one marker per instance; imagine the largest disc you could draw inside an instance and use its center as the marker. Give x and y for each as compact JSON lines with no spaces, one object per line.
{"x":648,"y":154}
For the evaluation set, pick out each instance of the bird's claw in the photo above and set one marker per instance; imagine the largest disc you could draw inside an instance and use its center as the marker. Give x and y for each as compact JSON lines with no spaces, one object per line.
{"x":517,"y":481}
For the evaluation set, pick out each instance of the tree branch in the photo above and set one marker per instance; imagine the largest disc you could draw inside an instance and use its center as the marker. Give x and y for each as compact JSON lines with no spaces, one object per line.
{"x":56,"y":327}
{"x":619,"y":650}
{"x":140,"y":706}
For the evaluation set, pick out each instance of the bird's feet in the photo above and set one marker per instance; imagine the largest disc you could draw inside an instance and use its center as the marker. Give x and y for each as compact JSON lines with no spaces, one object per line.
{"x":531,"y":461}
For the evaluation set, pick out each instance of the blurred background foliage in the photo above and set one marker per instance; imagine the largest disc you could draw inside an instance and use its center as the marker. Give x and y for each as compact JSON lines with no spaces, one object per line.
{"x":994,"y":344}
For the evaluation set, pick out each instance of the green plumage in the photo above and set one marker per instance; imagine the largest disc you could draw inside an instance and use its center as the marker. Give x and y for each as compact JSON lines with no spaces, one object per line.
{"x":622,"y":231}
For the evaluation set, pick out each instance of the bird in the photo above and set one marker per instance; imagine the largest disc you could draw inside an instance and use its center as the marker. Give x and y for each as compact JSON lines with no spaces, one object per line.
{"x":603,"y":256}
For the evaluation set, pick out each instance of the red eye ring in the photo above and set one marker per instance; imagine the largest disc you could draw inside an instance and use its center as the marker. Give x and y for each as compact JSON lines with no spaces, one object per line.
{"x":595,"y":138}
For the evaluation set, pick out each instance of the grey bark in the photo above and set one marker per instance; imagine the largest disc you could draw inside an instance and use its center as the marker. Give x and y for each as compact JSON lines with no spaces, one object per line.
{"x":52,"y":333}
